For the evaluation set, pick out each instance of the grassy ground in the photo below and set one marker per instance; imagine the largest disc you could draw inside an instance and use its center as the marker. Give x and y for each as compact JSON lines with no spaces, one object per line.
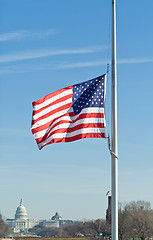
{"x":47,"y":238}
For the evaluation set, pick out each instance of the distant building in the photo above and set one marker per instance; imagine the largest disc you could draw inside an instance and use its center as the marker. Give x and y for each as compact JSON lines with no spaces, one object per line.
{"x":56,"y":217}
{"x":108,"y":211}
{"x":59,"y":219}
{"x":21,"y":223}
{"x":49,"y":223}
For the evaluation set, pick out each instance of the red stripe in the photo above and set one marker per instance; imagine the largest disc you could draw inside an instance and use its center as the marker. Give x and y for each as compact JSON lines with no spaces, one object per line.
{"x":80,"y":116}
{"x":53,"y":103}
{"x":70,"y":130}
{"x":74,"y":138}
{"x":43,"y":99}
{"x":66,"y":106}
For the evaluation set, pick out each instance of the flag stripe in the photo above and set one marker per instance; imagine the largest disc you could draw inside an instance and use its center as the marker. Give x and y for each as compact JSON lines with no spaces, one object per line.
{"x":68,"y":137}
{"x":70,"y":125}
{"x":52,"y":108}
{"x":67,"y":119}
{"x":51,"y":116}
{"x":62,"y":99}
{"x":73,"y":130}
{"x":74,"y":138}
{"x":43,"y":102}
{"x":58,"y":114}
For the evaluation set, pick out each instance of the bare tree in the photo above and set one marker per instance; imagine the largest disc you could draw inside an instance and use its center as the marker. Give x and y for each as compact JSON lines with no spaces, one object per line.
{"x":136,"y":220}
{"x":4,"y":228}
{"x":143,"y":223}
{"x":88,"y":228}
{"x":48,"y":232}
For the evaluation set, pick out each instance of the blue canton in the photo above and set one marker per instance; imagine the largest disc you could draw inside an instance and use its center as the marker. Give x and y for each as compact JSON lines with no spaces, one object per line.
{"x":89,"y":94}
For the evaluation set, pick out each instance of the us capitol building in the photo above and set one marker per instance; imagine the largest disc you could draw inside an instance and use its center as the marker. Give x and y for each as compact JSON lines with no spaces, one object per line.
{"x":21,"y":223}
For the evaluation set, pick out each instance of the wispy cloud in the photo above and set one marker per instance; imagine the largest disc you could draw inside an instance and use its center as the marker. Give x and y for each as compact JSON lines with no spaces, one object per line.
{"x":33,"y":54}
{"x":66,"y":65}
{"x":47,"y":66}
{"x":135,"y":60}
{"x":23,"y":34}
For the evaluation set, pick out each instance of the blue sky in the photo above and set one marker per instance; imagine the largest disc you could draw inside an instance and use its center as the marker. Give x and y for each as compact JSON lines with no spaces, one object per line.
{"x":48,"y":45}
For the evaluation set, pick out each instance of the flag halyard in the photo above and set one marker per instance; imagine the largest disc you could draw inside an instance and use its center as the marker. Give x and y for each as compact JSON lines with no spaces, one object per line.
{"x":70,"y":114}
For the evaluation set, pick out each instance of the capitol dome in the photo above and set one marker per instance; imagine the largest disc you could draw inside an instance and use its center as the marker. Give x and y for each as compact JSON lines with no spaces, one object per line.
{"x":21,"y":212}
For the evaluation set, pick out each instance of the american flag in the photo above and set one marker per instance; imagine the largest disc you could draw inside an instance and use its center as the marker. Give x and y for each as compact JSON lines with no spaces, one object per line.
{"x":69,"y":114}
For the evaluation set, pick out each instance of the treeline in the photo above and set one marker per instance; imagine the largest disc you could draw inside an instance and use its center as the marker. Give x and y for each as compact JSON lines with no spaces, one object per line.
{"x":4,"y":228}
{"x":135,"y":221}
{"x":77,"y":229}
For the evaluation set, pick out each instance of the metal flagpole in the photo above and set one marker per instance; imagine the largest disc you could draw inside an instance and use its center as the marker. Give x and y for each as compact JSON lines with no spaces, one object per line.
{"x":114,"y":151}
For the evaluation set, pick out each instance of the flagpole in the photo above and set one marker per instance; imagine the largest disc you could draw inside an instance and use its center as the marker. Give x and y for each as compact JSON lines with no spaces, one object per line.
{"x":114,"y":166}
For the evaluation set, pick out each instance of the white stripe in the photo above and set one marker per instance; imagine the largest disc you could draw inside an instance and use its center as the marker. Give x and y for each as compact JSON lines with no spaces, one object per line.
{"x":51,"y":108}
{"x":52,"y":99}
{"x":69,"y":125}
{"x":52,"y":117}
{"x":75,"y":133}
{"x":61,"y":113}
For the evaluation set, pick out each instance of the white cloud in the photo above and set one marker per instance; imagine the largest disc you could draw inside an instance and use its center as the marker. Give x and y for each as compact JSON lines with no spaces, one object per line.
{"x":135,"y":60}
{"x":66,"y":65}
{"x":34,"y":54}
{"x":18,"y":35}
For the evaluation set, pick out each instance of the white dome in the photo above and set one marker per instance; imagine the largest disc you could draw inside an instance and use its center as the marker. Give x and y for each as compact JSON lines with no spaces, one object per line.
{"x":21,"y":212}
